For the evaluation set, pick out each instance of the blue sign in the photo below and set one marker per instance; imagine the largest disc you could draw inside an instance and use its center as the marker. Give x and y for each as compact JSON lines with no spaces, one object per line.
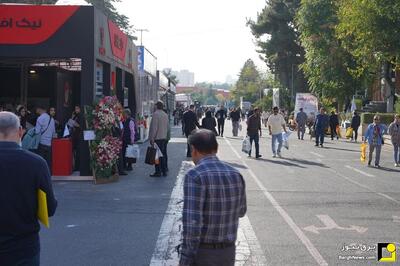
{"x":141,"y":58}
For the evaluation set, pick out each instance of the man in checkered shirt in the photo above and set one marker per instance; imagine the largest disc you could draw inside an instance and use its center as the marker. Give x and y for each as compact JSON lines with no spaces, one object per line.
{"x":214,"y":199}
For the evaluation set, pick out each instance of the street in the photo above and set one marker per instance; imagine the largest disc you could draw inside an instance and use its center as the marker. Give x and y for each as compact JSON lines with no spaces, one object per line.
{"x":314,"y":206}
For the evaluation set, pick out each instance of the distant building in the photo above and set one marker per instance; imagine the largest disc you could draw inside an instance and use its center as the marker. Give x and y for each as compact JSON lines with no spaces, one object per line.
{"x":229,"y":80}
{"x":184,"y":77}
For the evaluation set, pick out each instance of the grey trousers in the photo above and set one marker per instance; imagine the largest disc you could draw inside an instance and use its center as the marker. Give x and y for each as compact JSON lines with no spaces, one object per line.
{"x":301,"y":129}
{"x":378,"y":153}
{"x":235,"y":128}
{"x":215,"y":257}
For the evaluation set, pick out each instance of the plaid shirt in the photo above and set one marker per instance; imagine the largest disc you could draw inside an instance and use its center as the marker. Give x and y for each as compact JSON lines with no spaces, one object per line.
{"x":214,"y":199}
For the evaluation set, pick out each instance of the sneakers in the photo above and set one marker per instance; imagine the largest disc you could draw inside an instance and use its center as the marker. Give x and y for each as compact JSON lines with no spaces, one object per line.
{"x":322,"y":145}
{"x":258,"y":156}
{"x":377,"y":166}
{"x":279,"y":155}
{"x":274,"y":155}
{"x":396,"y":165}
{"x":369,"y":163}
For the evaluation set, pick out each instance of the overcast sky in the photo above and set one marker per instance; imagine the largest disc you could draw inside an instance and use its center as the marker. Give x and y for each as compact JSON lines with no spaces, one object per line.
{"x":207,"y":37}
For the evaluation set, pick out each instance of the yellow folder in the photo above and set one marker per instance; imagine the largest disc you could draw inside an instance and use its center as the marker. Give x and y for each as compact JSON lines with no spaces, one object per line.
{"x":42,"y":213}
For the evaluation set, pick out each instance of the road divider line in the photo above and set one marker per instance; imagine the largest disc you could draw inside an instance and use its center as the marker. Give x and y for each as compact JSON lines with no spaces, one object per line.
{"x":363,"y":186}
{"x":317,"y":154}
{"x":296,"y":229}
{"x":359,"y":171}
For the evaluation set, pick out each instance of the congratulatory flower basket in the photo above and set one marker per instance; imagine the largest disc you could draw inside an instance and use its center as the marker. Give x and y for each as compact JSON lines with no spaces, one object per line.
{"x":104,"y":118}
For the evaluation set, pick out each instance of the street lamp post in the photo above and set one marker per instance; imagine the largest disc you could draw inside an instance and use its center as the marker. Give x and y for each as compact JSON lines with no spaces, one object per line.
{"x":141,"y":34}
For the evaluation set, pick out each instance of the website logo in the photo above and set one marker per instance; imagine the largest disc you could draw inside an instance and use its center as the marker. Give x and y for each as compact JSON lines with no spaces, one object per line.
{"x":389,"y":248}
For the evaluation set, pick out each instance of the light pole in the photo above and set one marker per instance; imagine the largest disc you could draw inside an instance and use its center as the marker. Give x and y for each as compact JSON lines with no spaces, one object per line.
{"x":141,"y":34}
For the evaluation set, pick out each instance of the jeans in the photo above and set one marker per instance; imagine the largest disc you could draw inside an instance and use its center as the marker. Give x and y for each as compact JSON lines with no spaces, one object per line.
{"x":378,"y":149}
{"x":235,"y":128}
{"x":256,"y":139}
{"x":221,"y":124}
{"x":355,"y":133}
{"x":162,"y":166}
{"x":275,"y":138}
{"x":396,"y":153}
{"x":319,"y":136}
{"x":301,"y":129}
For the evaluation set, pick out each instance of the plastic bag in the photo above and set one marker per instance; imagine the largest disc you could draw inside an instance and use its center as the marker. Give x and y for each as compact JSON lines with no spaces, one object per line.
{"x":240,"y":127}
{"x":246,"y":146}
{"x":349,"y":132}
{"x":132,"y":151}
{"x":158,"y":154}
{"x":285,"y":138}
{"x":363,"y":156}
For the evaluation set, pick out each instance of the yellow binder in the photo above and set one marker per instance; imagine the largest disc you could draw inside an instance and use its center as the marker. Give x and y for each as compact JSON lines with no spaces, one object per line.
{"x":42,"y":213}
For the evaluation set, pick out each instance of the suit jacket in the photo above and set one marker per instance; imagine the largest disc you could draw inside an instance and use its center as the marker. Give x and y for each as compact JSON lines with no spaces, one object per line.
{"x":190,"y":122}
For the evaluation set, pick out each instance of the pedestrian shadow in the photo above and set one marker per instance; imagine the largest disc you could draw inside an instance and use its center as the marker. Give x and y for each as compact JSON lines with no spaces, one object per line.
{"x":306,"y":162}
{"x":386,"y":169}
{"x":281,"y":162}
{"x":340,"y":149}
{"x":236,"y":165}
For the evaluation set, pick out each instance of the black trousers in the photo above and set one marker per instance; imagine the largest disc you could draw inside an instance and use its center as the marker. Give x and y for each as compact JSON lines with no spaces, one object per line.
{"x":221,"y":124}
{"x":333,"y":131}
{"x":45,"y":152}
{"x":162,"y":166}
{"x":355,"y":132}
{"x":188,"y":150}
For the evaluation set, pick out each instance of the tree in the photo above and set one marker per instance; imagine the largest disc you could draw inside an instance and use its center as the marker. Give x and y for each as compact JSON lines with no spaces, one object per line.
{"x":248,"y":85}
{"x":278,"y":40}
{"x":107,"y":7}
{"x":170,"y":76}
{"x":327,"y":64}
{"x":370,"y":31}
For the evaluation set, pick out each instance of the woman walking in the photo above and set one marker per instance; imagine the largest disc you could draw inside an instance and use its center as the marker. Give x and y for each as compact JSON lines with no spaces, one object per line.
{"x":394,"y":131}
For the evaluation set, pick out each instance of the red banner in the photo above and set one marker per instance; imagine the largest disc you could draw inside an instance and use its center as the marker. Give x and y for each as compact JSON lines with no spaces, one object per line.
{"x":31,"y":24}
{"x":118,"y":40}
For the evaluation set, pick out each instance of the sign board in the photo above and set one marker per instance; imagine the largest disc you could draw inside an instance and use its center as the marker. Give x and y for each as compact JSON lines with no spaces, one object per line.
{"x":308,"y":102}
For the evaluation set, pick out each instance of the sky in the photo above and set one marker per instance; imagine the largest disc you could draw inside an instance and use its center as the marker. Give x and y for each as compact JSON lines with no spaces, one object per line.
{"x":207,"y":37}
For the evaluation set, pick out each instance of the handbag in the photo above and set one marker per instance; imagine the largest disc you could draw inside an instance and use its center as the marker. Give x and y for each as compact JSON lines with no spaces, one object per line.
{"x":31,"y":138}
{"x":150,"y":155}
{"x":132,"y":151}
{"x":246,"y":145}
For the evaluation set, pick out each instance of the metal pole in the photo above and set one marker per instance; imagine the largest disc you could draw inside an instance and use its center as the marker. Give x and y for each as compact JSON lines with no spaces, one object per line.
{"x":292,"y":83}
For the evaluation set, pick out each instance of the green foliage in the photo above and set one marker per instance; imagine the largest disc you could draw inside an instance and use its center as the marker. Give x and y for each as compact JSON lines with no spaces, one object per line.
{"x":397,"y":107}
{"x":386,"y":118}
{"x":327,"y":103}
{"x":278,"y":40}
{"x":265,"y":103}
{"x":223,"y":86}
{"x":359,"y":104}
{"x":249,"y":84}
{"x":328,"y":65}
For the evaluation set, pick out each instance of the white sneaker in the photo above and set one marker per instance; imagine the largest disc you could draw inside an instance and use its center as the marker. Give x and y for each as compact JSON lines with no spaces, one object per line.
{"x":274,"y":155}
{"x":396,"y":165}
{"x":279,"y":155}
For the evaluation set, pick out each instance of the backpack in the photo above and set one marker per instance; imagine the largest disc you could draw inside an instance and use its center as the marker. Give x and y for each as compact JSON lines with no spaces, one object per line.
{"x":31,"y":140}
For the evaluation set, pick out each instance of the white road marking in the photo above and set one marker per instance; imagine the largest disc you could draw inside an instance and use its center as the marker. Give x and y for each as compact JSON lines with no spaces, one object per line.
{"x":359,"y":171}
{"x":317,"y":154}
{"x":178,"y":140}
{"x":363,"y":186}
{"x":248,"y":248}
{"x":296,"y":229}
{"x":330,"y":224}
{"x":71,"y":225}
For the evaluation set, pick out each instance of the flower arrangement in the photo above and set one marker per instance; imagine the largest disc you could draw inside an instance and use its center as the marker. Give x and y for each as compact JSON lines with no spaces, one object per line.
{"x":104,"y":117}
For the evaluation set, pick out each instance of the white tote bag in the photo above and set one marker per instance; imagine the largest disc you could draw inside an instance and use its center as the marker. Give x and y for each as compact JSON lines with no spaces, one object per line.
{"x":132,"y":151}
{"x":246,"y":146}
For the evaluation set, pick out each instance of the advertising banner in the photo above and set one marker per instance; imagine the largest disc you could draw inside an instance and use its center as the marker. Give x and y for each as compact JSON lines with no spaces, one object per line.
{"x":308,"y":102}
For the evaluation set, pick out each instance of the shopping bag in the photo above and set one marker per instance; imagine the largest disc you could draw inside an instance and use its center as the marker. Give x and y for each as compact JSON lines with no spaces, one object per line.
{"x":240,"y":127}
{"x":42,"y":212}
{"x":338,"y":132}
{"x":349,"y":133}
{"x":285,"y":138}
{"x":158,"y":154}
{"x":363,"y":152}
{"x":150,"y":155}
{"x":246,"y":146}
{"x":132,"y":151}
{"x":31,"y":140}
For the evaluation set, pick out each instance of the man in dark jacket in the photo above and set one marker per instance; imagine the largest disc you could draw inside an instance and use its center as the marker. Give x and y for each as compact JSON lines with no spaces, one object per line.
{"x":333,"y":123}
{"x":253,"y":127}
{"x":221,"y":116}
{"x":189,"y":124}
{"x":235,"y":117}
{"x":321,"y":124}
{"x":355,"y":124}
{"x":22,"y":174}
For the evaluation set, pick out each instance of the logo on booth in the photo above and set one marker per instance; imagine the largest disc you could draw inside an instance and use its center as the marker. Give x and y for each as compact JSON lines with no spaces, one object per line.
{"x":118,"y":41}
{"x":390,"y":249}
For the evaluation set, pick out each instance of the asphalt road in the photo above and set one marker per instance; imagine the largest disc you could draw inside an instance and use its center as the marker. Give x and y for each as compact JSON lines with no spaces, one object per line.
{"x":315,"y":206}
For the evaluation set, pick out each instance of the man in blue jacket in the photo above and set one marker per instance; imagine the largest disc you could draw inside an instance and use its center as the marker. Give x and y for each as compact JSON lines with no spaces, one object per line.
{"x":374,"y":136}
{"x":22,"y":174}
{"x":321,"y":123}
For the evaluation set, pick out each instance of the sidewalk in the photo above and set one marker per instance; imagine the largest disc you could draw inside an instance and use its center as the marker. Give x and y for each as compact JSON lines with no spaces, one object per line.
{"x":111,"y":224}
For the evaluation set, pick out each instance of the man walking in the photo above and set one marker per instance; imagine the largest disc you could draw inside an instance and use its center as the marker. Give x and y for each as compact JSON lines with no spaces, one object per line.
{"x":235,"y":117}
{"x":275,"y":124}
{"x":221,"y":116}
{"x":321,"y":124}
{"x":334,"y":123}
{"x":45,"y":126}
{"x":253,"y":127}
{"x":374,"y":137}
{"x":301,"y":120}
{"x":394,"y":131}
{"x":189,"y":123}
{"x":214,"y":199}
{"x":22,"y":174}
{"x":355,"y":124}
{"x":158,"y":134}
